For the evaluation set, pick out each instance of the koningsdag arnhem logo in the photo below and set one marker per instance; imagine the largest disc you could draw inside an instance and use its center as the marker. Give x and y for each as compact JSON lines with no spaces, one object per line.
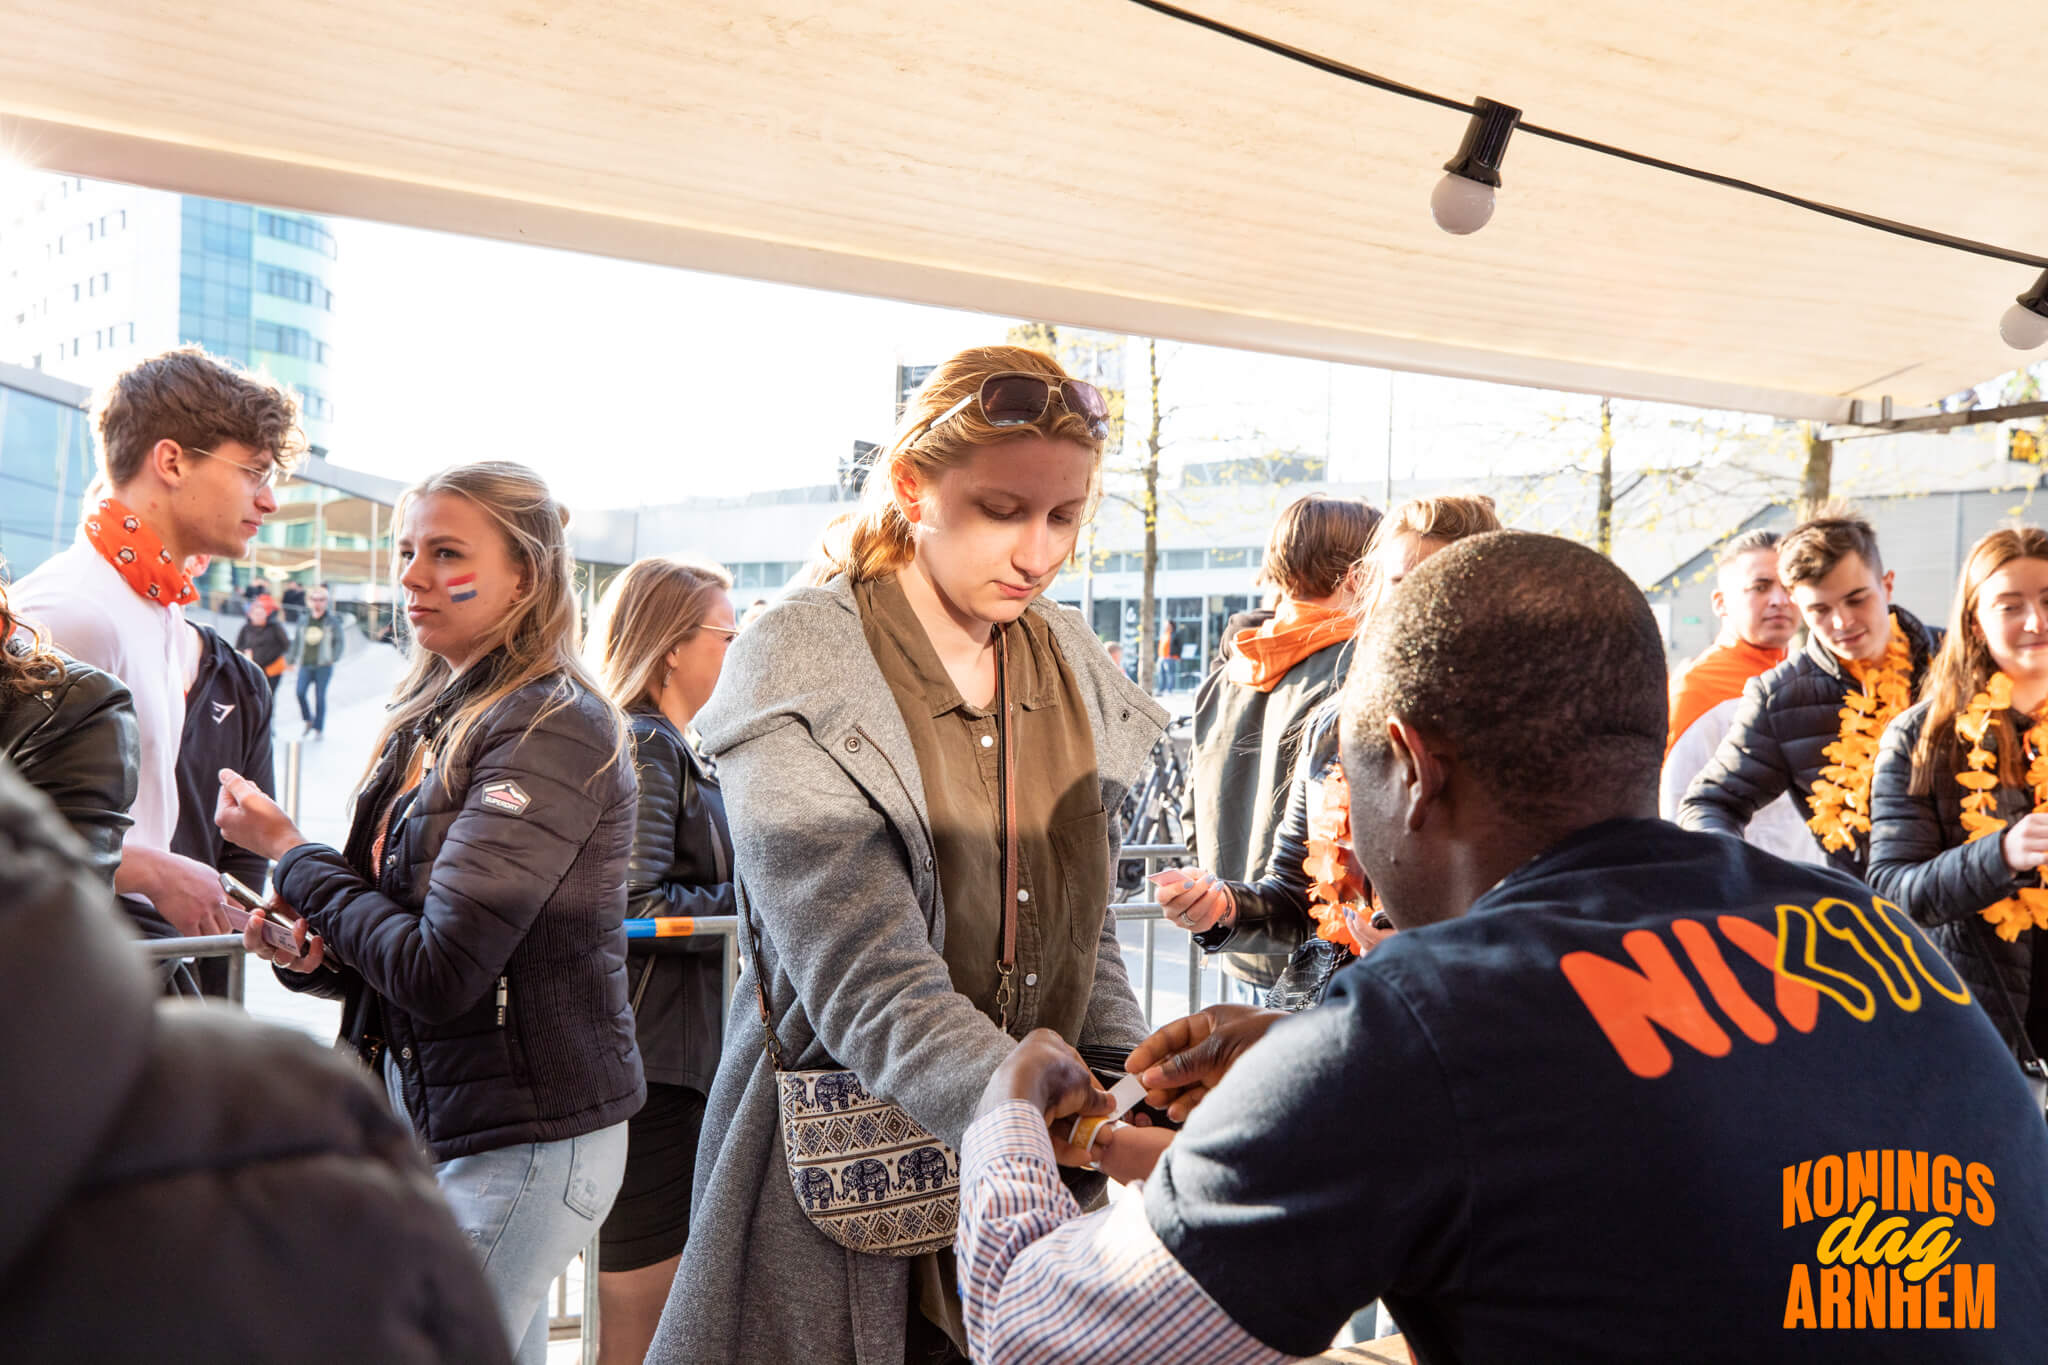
{"x":1892,"y":1225}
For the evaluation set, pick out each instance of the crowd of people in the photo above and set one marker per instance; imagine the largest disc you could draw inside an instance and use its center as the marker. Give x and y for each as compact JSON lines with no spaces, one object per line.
{"x":1541,"y":1074}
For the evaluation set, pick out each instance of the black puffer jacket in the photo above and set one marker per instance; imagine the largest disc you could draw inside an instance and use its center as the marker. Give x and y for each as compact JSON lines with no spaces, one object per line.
{"x":185,"y":1185}
{"x":74,"y":740}
{"x":1787,"y":717}
{"x":1919,"y":860}
{"x":682,"y":866}
{"x":490,"y":955}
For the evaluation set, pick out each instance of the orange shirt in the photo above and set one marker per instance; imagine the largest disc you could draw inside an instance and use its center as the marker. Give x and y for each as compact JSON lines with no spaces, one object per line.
{"x":1714,"y":677}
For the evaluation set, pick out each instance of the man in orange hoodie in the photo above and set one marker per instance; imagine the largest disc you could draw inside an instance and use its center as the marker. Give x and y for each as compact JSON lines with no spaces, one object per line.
{"x":1757,"y":622}
{"x":1249,"y":712}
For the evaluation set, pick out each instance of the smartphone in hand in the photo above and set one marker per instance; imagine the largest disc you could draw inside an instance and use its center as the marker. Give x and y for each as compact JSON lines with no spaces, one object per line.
{"x":277,"y":919}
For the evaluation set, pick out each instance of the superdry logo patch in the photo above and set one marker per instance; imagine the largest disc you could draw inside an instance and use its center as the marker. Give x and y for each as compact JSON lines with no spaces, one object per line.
{"x":222,"y":710}
{"x":506,"y":797}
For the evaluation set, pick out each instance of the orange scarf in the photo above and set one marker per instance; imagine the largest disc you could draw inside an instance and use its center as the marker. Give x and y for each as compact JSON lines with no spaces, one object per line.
{"x":125,"y":542}
{"x":1262,"y":655}
{"x":1840,"y":800}
{"x":1981,"y":779}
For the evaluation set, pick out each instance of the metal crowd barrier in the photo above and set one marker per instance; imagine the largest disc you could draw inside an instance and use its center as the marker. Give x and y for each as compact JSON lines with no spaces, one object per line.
{"x":584,"y":1324}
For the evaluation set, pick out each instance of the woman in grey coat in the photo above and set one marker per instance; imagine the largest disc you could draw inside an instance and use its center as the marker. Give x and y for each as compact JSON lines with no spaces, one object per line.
{"x":858,"y":730}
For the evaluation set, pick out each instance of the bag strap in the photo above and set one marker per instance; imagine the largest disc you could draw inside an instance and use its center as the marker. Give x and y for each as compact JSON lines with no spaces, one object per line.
{"x":749,"y":941}
{"x":1974,"y":931}
{"x":1006,"y":965}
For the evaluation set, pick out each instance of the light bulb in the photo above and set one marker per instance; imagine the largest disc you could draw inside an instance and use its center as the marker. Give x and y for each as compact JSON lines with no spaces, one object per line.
{"x":2022,"y":328}
{"x":1460,"y":205}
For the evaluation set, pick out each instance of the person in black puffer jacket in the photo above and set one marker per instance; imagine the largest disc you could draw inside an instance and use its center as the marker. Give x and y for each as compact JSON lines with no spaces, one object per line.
{"x":69,"y":729}
{"x":660,"y":640}
{"x":474,"y":920}
{"x":185,"y":1185}
{"x":1790,"y":715}
{"x":1922,"y":855}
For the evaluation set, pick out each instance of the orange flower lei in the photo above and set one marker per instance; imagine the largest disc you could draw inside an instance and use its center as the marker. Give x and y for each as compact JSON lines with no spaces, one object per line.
{"x":2029,"y":909}
{"x":1841,"y":795}
{"x":1334,"y":882}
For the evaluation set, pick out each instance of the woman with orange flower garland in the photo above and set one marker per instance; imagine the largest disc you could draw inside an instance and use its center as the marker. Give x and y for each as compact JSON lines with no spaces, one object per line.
{"x":1313,"y":903}
{"x":1960,"y":797}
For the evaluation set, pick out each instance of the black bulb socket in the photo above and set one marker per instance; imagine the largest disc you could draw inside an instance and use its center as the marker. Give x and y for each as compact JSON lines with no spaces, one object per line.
{"x":2036,"y":299}
{"x":1486,"y":142}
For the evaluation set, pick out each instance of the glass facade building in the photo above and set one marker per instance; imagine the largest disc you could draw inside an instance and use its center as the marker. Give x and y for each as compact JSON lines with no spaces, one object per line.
{"x":46,"y":461}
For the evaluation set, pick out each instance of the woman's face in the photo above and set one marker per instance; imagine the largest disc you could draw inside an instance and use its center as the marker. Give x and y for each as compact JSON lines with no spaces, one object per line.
{"x":695,"y":663}
{"x":2012,"y":611}
{"x":1397,"y":556}
{"x":993,"y":531}
{"x":459,"y":577}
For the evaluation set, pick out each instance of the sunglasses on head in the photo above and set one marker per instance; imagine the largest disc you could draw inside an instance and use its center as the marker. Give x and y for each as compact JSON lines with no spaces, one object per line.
{"x":1017,"y":398}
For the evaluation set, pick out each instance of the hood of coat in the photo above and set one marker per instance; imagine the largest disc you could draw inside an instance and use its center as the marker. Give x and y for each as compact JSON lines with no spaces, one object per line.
{"x":77,"y":1014}
{"x":806,"y":661}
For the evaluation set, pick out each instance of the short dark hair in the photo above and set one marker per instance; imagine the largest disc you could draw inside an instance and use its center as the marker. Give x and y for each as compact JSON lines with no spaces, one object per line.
{"x":1746,"y":543}
{"x":197,"y":400}
{"x":1315,"y":543}
{"x":1533,"y":657}
{"x":1835,"y":531}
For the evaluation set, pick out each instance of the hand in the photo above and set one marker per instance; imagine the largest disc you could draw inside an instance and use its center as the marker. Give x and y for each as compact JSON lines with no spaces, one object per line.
{"x":1182,"y":1062}
{"x":1197,"y":901}
{"x":312,"y":950}
{"x":1362,"y":933}
{"x":184,"y":891}
{"x":1051,"y":1077}
{"x":1126,"y":1152}
{"x":249,"y":818}
{"x":2026,"y":843}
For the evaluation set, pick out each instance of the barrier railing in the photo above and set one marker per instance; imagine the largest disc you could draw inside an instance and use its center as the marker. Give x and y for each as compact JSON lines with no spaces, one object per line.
{"x":584,"y":1324}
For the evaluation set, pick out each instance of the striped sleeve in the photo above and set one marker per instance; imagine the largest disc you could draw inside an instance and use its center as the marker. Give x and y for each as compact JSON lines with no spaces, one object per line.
{"x":1044,"y":1282}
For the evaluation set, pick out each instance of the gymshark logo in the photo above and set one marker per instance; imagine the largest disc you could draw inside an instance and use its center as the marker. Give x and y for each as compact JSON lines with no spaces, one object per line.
{"x":221,"y":711}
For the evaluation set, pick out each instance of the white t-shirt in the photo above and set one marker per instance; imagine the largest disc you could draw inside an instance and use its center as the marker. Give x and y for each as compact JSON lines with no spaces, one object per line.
{"x":89,"y":612}
{"x":1776,"y":828}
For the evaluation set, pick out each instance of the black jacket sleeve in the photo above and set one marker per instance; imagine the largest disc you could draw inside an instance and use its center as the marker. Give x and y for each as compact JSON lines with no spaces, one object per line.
{"x":86,"y":757}
{"x":1272,"y":913}
{"x":672,"y":817}
{"x":1918,"y":859}
{"x":488,"y":883}
{"x":1747,"y":773}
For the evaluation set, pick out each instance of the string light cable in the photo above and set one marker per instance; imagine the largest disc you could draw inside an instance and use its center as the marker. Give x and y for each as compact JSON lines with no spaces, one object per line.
{"x":1463,"y":200}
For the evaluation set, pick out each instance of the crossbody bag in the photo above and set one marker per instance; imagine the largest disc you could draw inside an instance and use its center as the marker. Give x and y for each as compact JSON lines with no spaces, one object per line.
{"x":866,"y":1173}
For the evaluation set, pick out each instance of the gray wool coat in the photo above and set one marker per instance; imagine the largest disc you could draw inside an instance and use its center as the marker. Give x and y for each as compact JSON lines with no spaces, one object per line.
{"x":833,"y":857}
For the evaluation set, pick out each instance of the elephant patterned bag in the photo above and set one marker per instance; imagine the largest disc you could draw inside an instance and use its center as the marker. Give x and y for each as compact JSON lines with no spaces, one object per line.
{"x":868,"y":1175}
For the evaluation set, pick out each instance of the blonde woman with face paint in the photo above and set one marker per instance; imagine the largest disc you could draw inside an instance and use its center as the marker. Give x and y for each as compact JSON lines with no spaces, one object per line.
{"x":866,"y":730}
{"x":472,"y":927}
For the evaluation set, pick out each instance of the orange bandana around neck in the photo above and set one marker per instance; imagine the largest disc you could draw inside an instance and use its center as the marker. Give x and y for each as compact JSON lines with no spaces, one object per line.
{"x":1261,"y":656}
{"x":125,"y":542}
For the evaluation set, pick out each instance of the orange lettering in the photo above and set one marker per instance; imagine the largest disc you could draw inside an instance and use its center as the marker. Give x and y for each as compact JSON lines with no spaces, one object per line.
{"x":1937,"y":1295}
{"x":1630,"y":1005}
{"x":1798,"y":1208}
{"x":1905,"y":1302}
{"x":1870,"y":1284}
{"x":1979,"y":1206}
{"x":1827,"y":1186}
{"x":1912,"y":1191}
{"x":1721,"y":983}
{"x":1799,"y":1299}
{"x":1863,"y":1177}
{"x":1976,"y":1297}
{"x":1797,"y":1002}
{"x":1946,"y":1172}
{"x":1834,"y":1298}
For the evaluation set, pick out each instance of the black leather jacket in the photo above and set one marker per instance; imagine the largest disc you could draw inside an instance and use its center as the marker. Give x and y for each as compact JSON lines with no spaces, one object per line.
{"x":489,"y":954}
{"x":1272,"y":912}
{"x":681,"y":867}
{"x":74,"y":739}
{"x":1920,"y":861}
{"x":1787,"y":717}
{"x":279,"y":1209}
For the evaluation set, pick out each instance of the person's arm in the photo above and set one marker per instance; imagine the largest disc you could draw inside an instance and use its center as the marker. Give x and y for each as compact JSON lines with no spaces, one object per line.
{"x":86,"y":758}
{"x":494,"y":872}
{"x":1270,"y":915}
{"x":1913,"y":862}
{"x":830,"y":891}
{"x":185,"y":891}
{"x":1748,"y":771}
{"x":259,"y":766}
{"x":662,"y":823}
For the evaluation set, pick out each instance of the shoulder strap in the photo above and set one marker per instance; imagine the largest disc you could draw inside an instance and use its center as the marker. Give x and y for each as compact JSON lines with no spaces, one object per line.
{"x":1006,"y":966}
{"x":747,"y":938}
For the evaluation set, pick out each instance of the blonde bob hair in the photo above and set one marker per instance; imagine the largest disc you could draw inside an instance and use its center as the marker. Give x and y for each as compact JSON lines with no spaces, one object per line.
{"x":877,"y":539}
{"x":654,"y":605}
{"x":539,"y":633}
{"x":1445,"y":518}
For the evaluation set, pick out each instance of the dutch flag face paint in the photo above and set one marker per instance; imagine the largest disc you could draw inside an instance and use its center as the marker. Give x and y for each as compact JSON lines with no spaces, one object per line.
{"x":462,"y":589}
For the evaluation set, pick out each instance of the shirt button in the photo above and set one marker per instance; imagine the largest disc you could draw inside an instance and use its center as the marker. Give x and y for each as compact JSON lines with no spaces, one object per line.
{"x":1023,"y":896}
{"x":1031,"y":978}
{"x":853,"y":744}
{"x":988,"y":741}
{"x":405,"y":1054}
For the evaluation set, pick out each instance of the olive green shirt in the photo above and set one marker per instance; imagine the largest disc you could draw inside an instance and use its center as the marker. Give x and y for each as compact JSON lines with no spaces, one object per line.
{"x":1062,"y":830}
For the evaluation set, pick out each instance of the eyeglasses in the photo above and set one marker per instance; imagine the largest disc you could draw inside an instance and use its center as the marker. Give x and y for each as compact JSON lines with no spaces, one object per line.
{"x":266,"y":476}
{"x":729,"y":632}
{"x":1017,"y":398}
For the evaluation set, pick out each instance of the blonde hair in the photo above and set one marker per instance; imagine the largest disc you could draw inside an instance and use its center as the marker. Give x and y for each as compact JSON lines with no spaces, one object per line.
{"x":1448,"y":517}
{"x":540,"y":631}
{"x":654,"y":605}
{"x":877,"y":539}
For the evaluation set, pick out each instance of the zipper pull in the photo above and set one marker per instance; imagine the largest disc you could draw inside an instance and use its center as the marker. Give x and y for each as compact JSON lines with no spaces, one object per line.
{"x":502,"y":987}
